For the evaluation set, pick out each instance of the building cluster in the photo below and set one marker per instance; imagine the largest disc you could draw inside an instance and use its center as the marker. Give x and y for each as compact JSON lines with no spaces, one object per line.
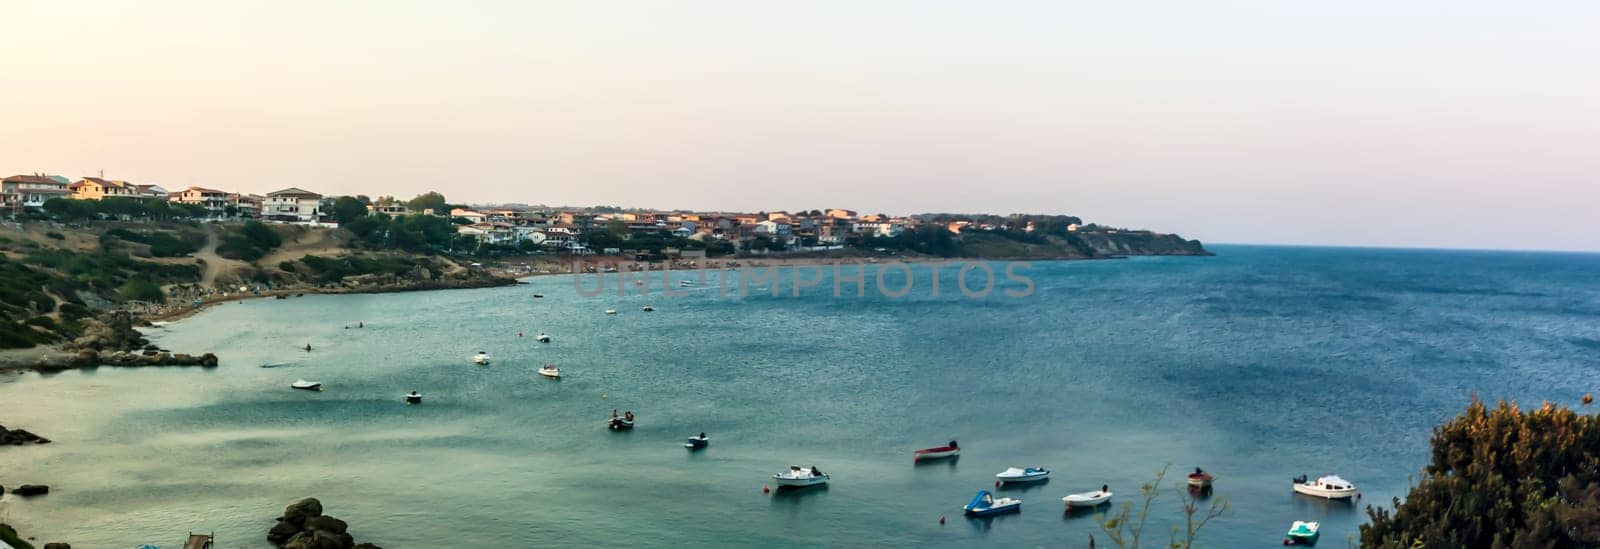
{"x":20,"y":192}
{"x":557,"y":230}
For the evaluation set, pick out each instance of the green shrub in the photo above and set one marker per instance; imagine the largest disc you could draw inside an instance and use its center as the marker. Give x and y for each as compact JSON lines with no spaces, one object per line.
{"x":1501,"y":478}
{"x":55,"y":235}
{"x":142,"y":289}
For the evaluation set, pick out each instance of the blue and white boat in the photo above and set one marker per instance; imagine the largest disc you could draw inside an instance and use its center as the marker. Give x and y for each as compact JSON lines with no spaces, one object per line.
{"x":986,"y":505}
{"x":697,"y":442}
{"x":1023,"y":474}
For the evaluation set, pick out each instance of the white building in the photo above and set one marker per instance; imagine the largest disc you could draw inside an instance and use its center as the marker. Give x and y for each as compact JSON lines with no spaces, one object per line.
{"x":292,"y":205}
{"x":31,"y":191}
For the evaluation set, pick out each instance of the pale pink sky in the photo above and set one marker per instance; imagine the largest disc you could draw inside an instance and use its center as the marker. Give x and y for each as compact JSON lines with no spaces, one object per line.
{"x":1428,"y":123}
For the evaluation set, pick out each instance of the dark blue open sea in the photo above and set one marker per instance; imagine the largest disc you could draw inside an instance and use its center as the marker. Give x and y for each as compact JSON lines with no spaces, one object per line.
{"x":1258,"y":364}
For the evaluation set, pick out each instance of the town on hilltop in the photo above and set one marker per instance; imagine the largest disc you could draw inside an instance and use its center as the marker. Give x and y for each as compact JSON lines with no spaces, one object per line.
{"x":599,"y":230}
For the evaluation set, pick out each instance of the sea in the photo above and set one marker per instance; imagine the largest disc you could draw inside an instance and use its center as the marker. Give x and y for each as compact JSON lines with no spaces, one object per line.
{"x":1259,"y":364}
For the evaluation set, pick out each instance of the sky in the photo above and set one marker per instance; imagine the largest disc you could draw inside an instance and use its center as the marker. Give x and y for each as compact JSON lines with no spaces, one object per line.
{"x":1464,"y":123}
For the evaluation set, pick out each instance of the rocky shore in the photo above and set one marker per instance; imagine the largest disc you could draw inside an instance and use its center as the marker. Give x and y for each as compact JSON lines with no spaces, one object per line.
{"x":303,"y":526}
{"x":18,"y":437}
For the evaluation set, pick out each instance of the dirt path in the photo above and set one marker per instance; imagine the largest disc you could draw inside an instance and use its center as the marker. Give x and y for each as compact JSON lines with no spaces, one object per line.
{"x":214,"y":263}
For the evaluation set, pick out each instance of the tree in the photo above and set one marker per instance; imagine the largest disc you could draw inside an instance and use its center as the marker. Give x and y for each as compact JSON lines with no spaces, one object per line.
{"x":140,"y":288}
{"x":429,"y":200}
{"x":1126,"y":529}
{"x":347,"y":209}
{"x":1501,"y":478}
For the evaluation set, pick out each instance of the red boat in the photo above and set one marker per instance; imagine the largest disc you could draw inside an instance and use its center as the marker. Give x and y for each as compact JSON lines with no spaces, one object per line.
{"x":1200,"y":479}
{"x":952,"y":450}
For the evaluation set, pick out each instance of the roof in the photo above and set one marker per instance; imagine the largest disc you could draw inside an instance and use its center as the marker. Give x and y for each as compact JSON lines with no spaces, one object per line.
{"x":201,"y":189}
{"x":31,"y":179}
{"x":296,"y":192}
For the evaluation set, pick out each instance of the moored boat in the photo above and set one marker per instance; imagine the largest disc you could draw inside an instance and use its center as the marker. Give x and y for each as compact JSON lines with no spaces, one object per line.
{"x":985,"y":505}
{"x":413,"y":398}
{"x":480,"y":358}
{"x":611,"y":311}
{"x":1327,"y":486}
{"x":647,"y":308}
{"x":542,"y":338}
{"x":937,"y":452}
{"x":550,"y":371}
{"x":537,"y":296}
{"x":1302,"y":533}
{"x":620,"y":423}
{"x":1089,"y":499}
{"x":306,"y":385}
{"x":697,"y":442}
{"x":797,"y":477}
{"x":1200,"y":479}
{"x":1022,"y":474}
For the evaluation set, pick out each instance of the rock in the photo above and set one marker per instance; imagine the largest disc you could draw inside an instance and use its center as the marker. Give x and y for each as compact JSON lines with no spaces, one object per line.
{"x":208,"y":360}
{"x":28,"y":490}
{"x":281,"y":532}
{"x":326,"y":524}
{"x":318,"y":539}
{"x":367,"y":546}
{"x":57,"y":546}
{"x":297,"y":513}
{"x":19,"y":437}
{"x":2,"y":490}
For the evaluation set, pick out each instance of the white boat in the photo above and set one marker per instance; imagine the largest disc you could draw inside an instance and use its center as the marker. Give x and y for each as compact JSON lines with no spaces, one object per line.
{"x":543,"y":338}
{"x":413,"y":398}
{"x":480,"y":358}
{"x":986,"y":505}
{"x":648,"y":308}
{"x":797,"y":476}
{"x":938,"y":452}
{"x":1088,"y":499}
{"x":697,"y":442}
{"x":1328,"y":487}
{"x":1022,"y":474}
{"x":307,"y":385}
{"x":611,"y":311}
{"x":550,"y":370}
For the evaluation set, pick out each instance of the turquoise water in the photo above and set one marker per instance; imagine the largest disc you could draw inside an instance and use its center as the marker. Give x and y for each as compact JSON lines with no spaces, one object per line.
{"x":1259,"y":364}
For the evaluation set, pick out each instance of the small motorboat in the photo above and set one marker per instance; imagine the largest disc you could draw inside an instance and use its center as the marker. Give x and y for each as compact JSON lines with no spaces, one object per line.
{"x":1328,"y":487}
{"x":697,"y":442}
{"x":797,"y":477}
{"x":307,"y":385}
{"x":550,"y":371}
{"x":1088,"y":499}
{"x":623,"y":423}
{"x":647,"y":308}
{"x":413,"y":398}
{"x":481,"y":358}
{"x":542,"y":338}
{"x":1200,"y":479}
{"x":1023,"y":474}
{"x":939,"y":452}
{"x":986,"y":505}
{"x":1302,"y":533}
{"x":611,"y":311}
{"x":538,"y":296}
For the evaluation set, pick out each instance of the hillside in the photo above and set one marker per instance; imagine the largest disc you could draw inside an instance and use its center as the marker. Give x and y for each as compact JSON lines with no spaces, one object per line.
{"x":56,"y":278}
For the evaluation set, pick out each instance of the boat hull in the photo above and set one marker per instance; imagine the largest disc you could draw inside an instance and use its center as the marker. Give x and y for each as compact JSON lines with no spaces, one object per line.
{"x":783,"y":481}
{"x":1203,"y":481}
{"x":552,"y":374}
{"x":935,"y":453}
{"x":1091,"y":499}
{"x":996,"y":510}
{"x":620,"y":424}
{"x":696,"y":443}
{"x":1324,"y":493}
{"x":413,"y":400}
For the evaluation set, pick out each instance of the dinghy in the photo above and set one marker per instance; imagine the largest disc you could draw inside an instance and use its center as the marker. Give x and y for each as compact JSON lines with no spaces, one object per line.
{"x":648,"y":308}
{"x":611,"y":311}
{"x":537,"y":296}
{"x":1200,"y":479}
{"x":307,"y":385}
{"x":413,"y":398}
{"x":986,"y":505}
{"x":1302,"y":533}
{"x":1088,"y":499}
{"x":550,"y":371}
{"x":543,"y":338}
{"x":939,"y":452}
{"x":799,"y":477}
{"x":1023,"y":474}
{"x":481,"y":358}
{"x":697,"y":442}
{"x":1327,"y":487}
{"x":623,"y":423}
